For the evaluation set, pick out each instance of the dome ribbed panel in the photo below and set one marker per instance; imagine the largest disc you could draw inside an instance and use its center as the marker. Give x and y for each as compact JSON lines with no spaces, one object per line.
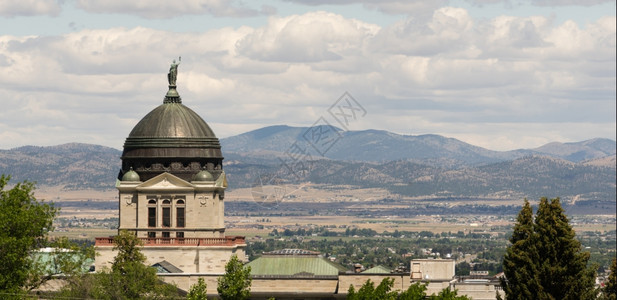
{"x":172,"y":120}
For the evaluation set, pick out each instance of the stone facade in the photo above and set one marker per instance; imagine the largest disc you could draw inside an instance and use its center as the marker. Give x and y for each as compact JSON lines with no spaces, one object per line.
{"x":167,"y":206}
{"x":197,"y":259}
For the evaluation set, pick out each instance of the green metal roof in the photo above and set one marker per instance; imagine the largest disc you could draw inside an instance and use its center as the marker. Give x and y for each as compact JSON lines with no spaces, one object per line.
{"x":290,"y":265}
{"x":47,"y":258}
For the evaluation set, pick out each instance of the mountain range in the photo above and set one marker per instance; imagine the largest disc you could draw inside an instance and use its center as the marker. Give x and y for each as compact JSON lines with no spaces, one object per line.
{"x":383,"y":146}
{"x":418,"y":166}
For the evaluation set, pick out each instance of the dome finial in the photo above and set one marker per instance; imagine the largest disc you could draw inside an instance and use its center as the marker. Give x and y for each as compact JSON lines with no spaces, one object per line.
{"x":172,"y":94}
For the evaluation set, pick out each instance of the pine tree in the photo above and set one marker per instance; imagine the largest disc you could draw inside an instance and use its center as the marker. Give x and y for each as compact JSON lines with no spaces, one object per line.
{"x":518,"y":263}
{"x":563,"y":270}
{"x":545,"y":261}
{"x":609,"y":292}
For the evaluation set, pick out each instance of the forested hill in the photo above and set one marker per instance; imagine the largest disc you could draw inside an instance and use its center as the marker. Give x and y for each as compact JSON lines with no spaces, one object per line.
{"x":73,"y":166}
{"x":529,"y":176}
{"x":428,"y":165}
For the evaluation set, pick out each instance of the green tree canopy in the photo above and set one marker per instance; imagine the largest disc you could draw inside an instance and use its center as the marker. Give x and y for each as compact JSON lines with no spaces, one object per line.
{"x":368,"y":291}
{"x":545,"y":261}
{"x":235,"y":284}
{"x":24,"y":224}
{"x":198,"y":291}
{"x":416,"y":291}
{"x":129,"y":277}
{"x":609,"y":292}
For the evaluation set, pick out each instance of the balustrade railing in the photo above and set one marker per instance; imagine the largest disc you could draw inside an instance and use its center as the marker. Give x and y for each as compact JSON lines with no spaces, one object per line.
{"x":161,"y":241}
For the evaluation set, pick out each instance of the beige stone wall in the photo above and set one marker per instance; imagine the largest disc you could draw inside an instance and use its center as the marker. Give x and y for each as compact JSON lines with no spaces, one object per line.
{"x":478,"y":291}
{"x":104,"y":257}
{"x":185,"y":281}
{"x":293,"y":286}
{"x":434,"y":287}
{"x":190,"y":259}
{"x":128,"y":210}
{"x":401,"y":282}
{"x":262,"y":286}
{"x":432,"y":269}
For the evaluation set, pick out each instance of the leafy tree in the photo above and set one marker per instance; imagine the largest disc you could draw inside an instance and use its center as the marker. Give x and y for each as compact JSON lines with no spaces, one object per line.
{"x":368,"y":291}
{"x":24,"y":224}
{"x":71,"y":260}
{"x":545,"y":261}
{"x":129,"y":278}
{"x":416,"y":291}
{"x":448,"y":294}
{"x":235,"y":284}
{"x":609,"y":292}
{"x":198,"y":291}
{"x":463,"y":268}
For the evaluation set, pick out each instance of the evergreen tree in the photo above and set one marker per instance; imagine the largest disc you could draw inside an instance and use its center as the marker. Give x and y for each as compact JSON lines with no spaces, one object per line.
{"x":563,"y":266}
{"x":24,"y":224}
{"x":518,"y":263}
{"x":235,"y":284}
{"x":609,"y":292}
{"x":545,"y":260}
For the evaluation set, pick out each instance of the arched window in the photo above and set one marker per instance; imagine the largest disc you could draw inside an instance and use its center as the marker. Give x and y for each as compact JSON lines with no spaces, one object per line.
{"x":151,"y":213}
{"x":180,"y":213}
{"x":166,"y":213}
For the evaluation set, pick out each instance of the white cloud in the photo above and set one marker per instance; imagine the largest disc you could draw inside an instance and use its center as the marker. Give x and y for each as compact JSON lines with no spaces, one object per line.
{"x":394,"y":7}
{"x":312,"y":37}
{"x":541,"y":2}
{"x":164,"y":9}
{"x":13,"y":8}
{"x":502,"y":83}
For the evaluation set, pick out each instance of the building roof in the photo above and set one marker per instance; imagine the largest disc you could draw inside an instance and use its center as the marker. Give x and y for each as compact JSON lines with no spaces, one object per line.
{"x":47,"y":258}
{"x":171,"y":138}
{"x":292,"y":252}
{"x":294,"y":262}
{"x":173,"y":120}
{"x":166,"y":267}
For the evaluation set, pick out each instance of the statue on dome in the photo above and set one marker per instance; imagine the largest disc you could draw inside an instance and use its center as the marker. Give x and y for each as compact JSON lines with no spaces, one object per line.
{"x":173,"y":72}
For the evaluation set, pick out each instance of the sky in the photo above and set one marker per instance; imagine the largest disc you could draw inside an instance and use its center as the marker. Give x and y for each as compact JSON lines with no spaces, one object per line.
{"x":500,"y":74}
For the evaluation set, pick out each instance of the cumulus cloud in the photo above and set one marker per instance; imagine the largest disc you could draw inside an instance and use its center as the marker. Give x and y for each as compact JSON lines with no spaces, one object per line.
{"x":312,"y":37}
{"x":394,"y":7}
{"x":13,"y":8}
{"x":162,"y":9}
{"x":495,"y":83}
{"x":420,"y":8}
